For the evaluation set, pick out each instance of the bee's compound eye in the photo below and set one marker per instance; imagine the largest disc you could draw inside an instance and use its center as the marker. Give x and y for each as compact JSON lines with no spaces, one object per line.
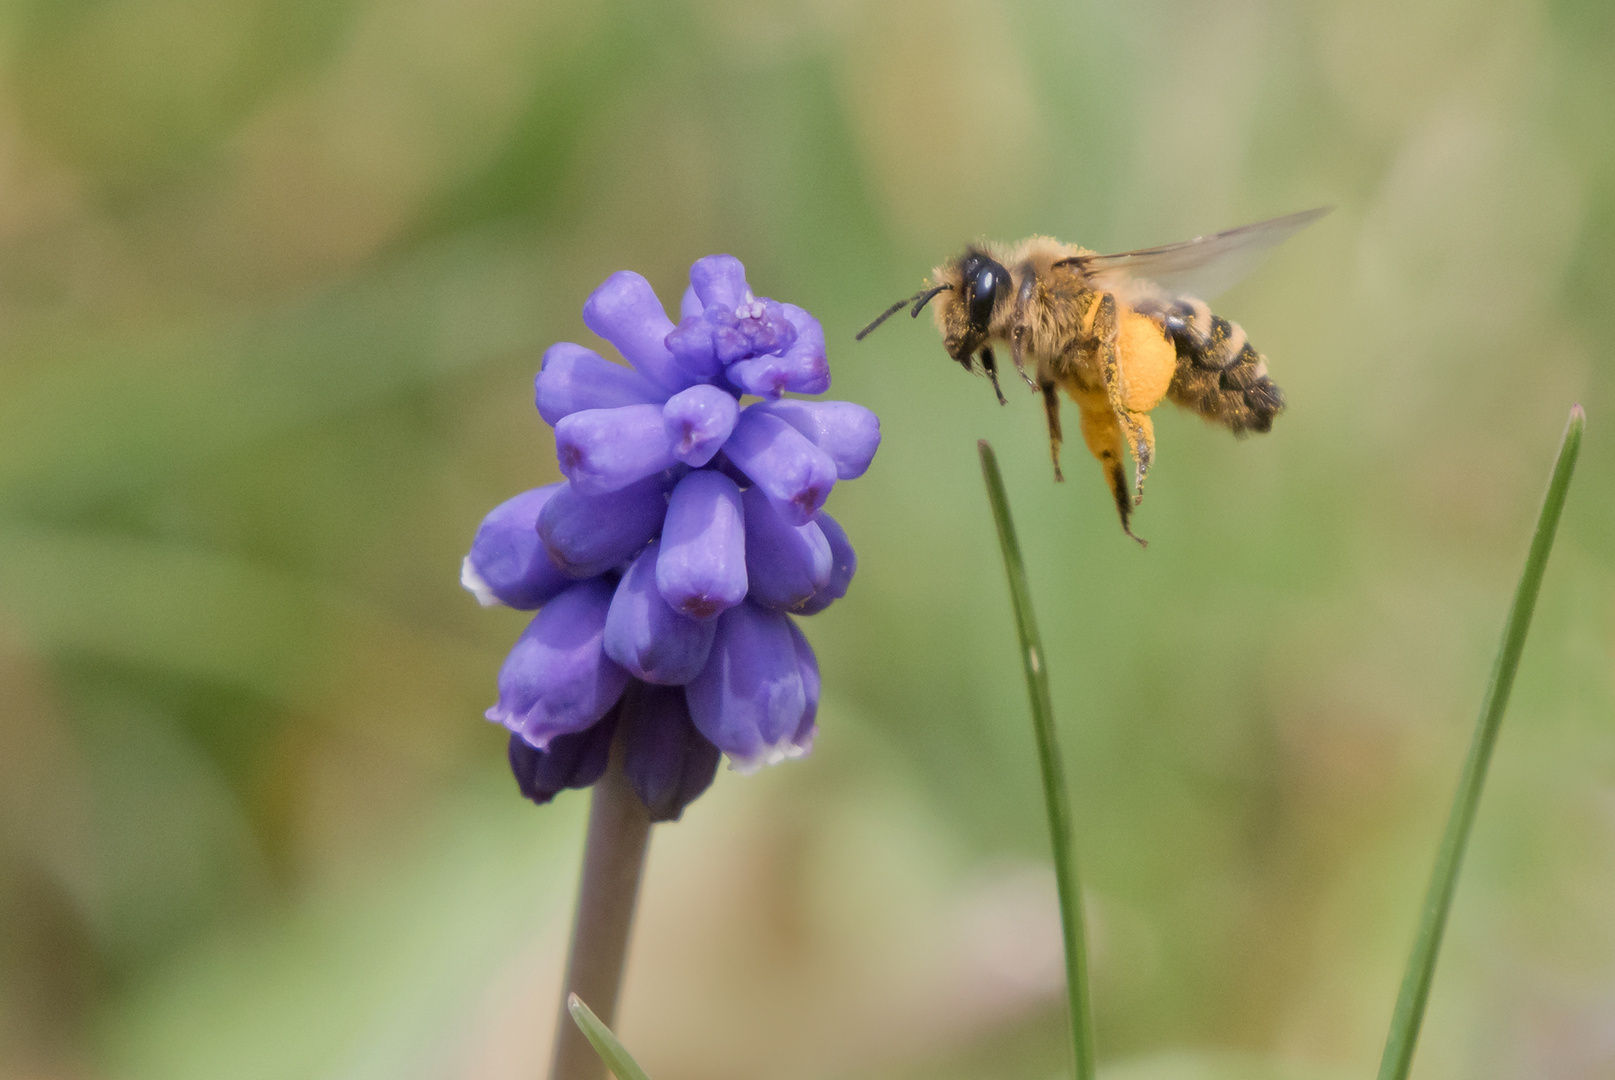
{"x":983,"y":291}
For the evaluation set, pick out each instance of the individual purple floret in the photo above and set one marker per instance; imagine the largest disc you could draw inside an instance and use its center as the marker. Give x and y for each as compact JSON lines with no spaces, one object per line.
{"x":749,"y":700}
{"x":646,"y":636}
{"x":667,"y":760}
{"x":688,"y":531}
{"x":572,"y":761}
{"x":558,"y":679}
{"x":508,"y":564}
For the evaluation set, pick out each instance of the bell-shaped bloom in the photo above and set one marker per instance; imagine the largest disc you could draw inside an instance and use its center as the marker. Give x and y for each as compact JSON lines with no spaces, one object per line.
{"x":646,"y":636}
{"x":808,"y":665}
{"x":795,"y":475}
{"x":574,"y":378}
{"x":558,"y":679}
{"x":588,"y":535}
{"x":843,"y":565}
{"x":849,"y":434}
{"x":605,"y":450}
{"x":667,"y":760}
{"x":571,"y":761}
{"x":749,"y":700}
{"x":800,"y":367}
{"x":624,"y":310}
{"x":786,"y":565}
{"x":508,"y":564}
{"x":698,"y":421}
{"x":702,"y":566}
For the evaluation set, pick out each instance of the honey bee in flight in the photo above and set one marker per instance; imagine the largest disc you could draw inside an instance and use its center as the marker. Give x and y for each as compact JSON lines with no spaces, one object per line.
{"x":1118,"y":332}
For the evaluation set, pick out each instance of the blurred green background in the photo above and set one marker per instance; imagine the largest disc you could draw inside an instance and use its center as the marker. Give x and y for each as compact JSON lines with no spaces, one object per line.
{"x":274,"y":281}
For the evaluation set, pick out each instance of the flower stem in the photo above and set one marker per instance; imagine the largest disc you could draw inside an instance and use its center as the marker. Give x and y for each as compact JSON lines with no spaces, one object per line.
{"x":1048,"y":753}
{"x":613,"y":862}
{"x":1421,"y":967}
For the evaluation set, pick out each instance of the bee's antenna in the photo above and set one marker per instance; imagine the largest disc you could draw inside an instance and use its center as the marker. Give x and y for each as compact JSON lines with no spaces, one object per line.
{"x":919,"y":300}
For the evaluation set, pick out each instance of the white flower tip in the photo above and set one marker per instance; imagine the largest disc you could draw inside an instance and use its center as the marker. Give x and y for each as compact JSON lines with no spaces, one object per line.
{"x":473,"y":584}
{"x":768,"y":755}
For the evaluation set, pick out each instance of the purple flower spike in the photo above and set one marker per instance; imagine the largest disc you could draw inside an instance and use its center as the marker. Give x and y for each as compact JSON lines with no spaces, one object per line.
{"x":808,"y":665}
{"x":698,"y":421}
{"x":575,"y":378}
{"x":572,"y":761}
{"x":843,"y":565}
{"x":508,"y":564}
{"x":605,"y":450}
{"x":701,"y":570}
{"x":650,"y":639}
{"x":667,"y":761}
{"x":719,"y":281}
{"x":588,"y":535}
{"x":801,"y":367}
{"x":794,"y":474}
{"x":557,"y":679}
{"x":848,"y":433}
{"x":624,"y":310}
{"x":786,"y":565}
{"x":749,"y":700}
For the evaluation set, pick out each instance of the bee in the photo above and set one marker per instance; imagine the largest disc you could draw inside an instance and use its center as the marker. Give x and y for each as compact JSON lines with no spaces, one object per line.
{"x":1117,"y":332}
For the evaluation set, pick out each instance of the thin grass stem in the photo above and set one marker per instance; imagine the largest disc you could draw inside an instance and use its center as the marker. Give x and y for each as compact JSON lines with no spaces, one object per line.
{"x":1415,"y":992}
{"x":1054,"y":793}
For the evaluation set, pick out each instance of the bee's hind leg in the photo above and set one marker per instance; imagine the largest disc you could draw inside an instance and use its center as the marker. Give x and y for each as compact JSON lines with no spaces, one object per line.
{"x":1137,"y":426}
{"x":1051,"y":411}
{"x":1103,"y":435}
{"x":990,"y":365}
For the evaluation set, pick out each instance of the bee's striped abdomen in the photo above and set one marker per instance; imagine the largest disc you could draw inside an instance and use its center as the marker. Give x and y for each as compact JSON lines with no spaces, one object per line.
{"x":1219,"y":375}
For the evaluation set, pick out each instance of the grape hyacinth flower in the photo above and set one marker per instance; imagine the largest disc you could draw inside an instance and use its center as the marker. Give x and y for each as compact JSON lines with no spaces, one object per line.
{"x":666,"y":568}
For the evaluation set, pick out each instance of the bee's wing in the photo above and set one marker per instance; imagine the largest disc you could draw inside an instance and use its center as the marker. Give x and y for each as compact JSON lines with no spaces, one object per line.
{"x":1202,"y":267}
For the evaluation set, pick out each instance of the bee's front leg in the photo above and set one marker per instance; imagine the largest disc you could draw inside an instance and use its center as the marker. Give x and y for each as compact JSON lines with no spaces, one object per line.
{"x":1137,"y":427}
{"x":990,"y":366}
{"x":1051,"y":411}
{"x":1017,"y":337}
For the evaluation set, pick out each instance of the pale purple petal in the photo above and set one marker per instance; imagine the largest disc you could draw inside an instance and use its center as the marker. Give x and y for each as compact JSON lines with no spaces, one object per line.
{"x":667,"y":760}
{"x":702,"y":567}
{"x":719,"y":281}
{"x":508,"y":563}
{"x":698,"y":421}
{"x":795,"y":475}
{"x":557,"y":679}
{"x":800,"y":368}
{"x":691,"y":346}
{"x":848,"y":433}
{"x":572,"y":761}
{"x":786,"y":565}
{"x":808,"y":665}
{"x":843,"y":565}
{"x":749,"y":700}
{"x":751,"y":328}
{"x":646,"y":636}
{"x":574,"y":378}
{"x":605,"y":450}
{"x":624,"y":310}
{"x":689,"y":303}
{"x":588,"y":535}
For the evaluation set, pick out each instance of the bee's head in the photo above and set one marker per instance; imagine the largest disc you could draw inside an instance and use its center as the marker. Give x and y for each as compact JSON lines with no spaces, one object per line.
{"x":976,"y":284}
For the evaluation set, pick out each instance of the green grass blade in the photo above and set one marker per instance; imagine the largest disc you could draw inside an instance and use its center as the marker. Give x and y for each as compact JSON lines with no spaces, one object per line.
{"x":1048,"y":752}
{"x":612,"y":1052}
{"x":1410,"y":1001}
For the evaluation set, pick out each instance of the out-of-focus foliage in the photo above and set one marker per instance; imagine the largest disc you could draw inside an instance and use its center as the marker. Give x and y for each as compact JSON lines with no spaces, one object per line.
{"x":274,"y":279}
